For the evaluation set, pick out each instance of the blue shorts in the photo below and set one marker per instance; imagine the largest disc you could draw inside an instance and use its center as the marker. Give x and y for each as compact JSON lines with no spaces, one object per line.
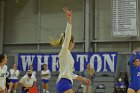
{"x":45,"y":80}
{"x":63,"y":85}
{"x":14,"y":80}
{"x":134,"y":87}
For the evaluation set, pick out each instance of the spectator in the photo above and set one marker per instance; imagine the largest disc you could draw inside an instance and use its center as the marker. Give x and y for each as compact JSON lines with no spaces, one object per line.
{"x":88,"y":73}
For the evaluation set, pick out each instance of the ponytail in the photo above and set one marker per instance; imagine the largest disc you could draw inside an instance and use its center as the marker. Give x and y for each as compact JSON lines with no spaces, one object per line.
{"x":58,"y":42}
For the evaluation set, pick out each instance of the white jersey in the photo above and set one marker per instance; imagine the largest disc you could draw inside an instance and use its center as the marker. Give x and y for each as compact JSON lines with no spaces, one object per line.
{"x":14,"y":74}
{"x":47,"y":73}
{"x":66,"y":60}
{"x":28,"y":82}
{"x":3,"y":71}
{"x":34,"y":73}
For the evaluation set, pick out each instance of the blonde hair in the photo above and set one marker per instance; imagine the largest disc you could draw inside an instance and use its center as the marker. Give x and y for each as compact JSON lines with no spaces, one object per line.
{"x":59,"y":41}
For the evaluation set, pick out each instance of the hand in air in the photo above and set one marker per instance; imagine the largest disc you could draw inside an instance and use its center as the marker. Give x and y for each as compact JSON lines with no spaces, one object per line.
{"x":68,"y":14}
{"x":135,"y":51}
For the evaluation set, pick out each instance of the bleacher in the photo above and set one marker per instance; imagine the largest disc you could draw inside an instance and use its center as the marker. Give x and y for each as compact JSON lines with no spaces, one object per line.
{"x":106,"y":79}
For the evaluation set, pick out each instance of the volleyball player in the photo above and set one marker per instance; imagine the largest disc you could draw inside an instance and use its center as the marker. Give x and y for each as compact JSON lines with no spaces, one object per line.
{"x":33,"y":72}
{"x":14,"y":74}
{"x":45,"y":75}
{"x":66,"y":61}
{"x":3,"y":71}
{"x":134,"y":62}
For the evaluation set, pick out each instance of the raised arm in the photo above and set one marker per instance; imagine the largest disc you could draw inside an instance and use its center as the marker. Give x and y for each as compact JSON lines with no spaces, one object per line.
{"x":133,"y":56}
{"x":67,"y":39}
{"x":67,"y":34}
{"x":80,"y":78}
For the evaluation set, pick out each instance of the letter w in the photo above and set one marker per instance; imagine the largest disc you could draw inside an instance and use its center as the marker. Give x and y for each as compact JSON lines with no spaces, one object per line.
{"x":27,"y":60}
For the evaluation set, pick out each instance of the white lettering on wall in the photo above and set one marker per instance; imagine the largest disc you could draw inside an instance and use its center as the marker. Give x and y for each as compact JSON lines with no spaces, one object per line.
{"x":27,"y":60}
{"x":55,"y":62}
{"x":109,"y":61}
{"x":99,"y":62}
{"x":82,"y":59}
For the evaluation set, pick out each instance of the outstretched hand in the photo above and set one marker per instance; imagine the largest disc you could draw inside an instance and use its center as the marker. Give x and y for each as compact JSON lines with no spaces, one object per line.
{"x":87,"y":81}
{"x":68,"y":14}
{"x":135,"y":51}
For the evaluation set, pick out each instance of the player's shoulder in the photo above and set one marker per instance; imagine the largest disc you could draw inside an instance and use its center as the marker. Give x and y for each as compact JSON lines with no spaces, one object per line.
{"x":5,"y":66}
